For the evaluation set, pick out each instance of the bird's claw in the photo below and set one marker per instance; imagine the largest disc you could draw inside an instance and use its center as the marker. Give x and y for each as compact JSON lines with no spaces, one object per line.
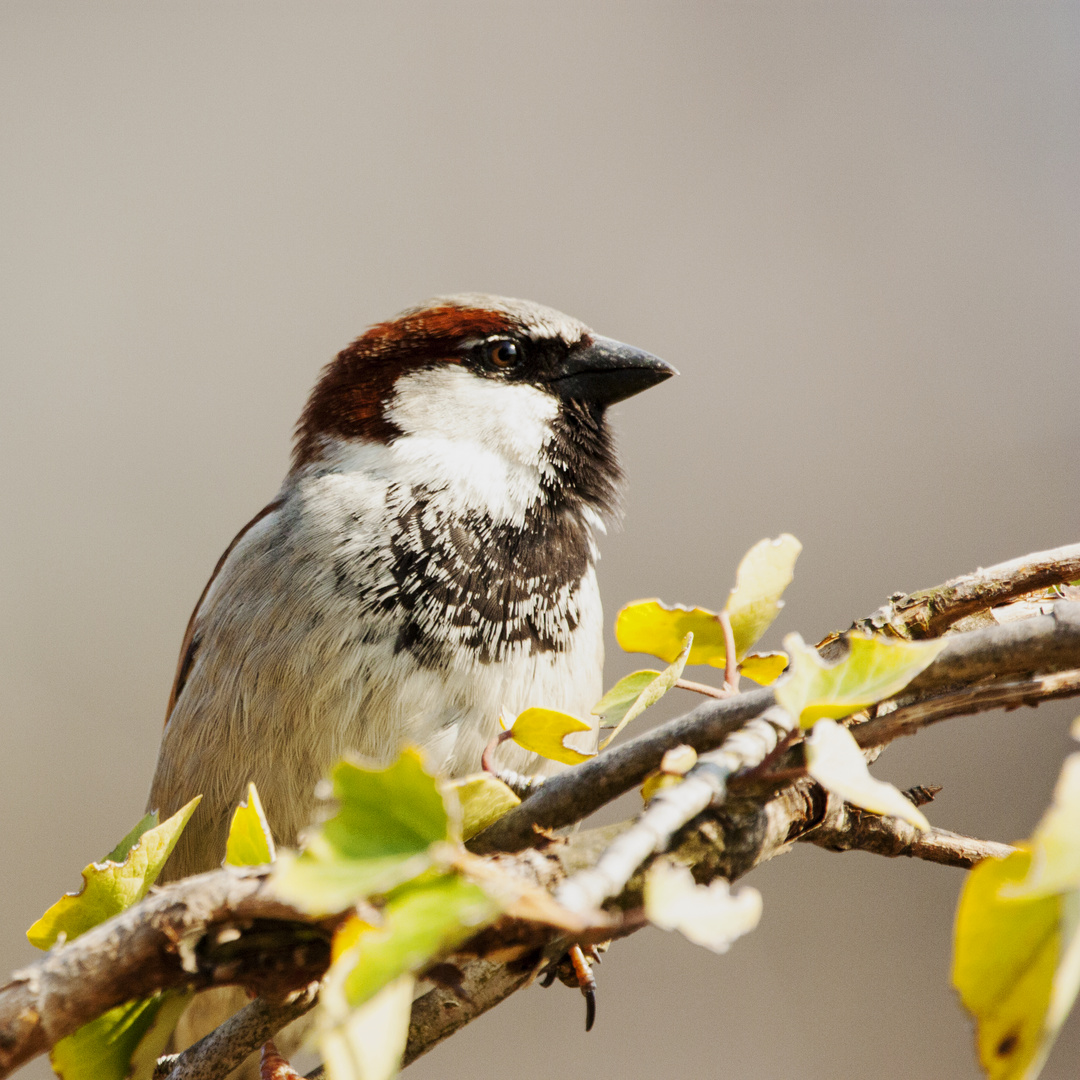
{"x":574,"y":968}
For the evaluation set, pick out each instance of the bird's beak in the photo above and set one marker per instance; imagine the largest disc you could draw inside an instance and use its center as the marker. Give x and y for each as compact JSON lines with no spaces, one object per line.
{"x":602,"y":371}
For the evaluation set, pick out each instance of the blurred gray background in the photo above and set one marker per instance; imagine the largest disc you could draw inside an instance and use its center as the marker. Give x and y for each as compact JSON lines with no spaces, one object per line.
{"x":853,"y":227}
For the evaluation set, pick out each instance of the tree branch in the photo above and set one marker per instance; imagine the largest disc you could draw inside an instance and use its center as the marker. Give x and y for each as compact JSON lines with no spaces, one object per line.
{"x":670,"y":809}
{"x":1046,"y":643}
{"x":910,"y":719}
{"x":568,"y":797}
{"x":929,"y":612}
{"x":849,"y":828}
{"x":145,"y":949}
{"x":167,"y":940}
{"x":223,"y":1049}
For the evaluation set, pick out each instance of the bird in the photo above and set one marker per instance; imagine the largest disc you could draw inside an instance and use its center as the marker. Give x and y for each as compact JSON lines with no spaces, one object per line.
{"x":429,"y":561}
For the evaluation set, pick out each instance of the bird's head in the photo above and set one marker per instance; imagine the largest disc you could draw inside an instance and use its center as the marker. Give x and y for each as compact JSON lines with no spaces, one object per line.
{"x":466,"y":381}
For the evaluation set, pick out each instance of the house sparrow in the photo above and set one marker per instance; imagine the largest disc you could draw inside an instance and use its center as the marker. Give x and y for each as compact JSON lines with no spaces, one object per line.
{"x":429,"y":559}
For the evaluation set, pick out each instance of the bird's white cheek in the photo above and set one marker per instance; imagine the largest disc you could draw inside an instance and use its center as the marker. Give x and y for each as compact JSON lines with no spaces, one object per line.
{"x":507,"y":419}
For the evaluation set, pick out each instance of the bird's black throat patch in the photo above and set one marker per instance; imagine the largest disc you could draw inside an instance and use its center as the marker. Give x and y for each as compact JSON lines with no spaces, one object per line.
{"x":466,"y":581}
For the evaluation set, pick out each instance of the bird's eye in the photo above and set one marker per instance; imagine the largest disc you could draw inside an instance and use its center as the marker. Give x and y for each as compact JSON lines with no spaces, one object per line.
{"x":503,"y":354}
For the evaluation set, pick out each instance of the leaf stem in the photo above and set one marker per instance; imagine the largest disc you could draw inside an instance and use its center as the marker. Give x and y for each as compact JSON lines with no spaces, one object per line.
{"x":731,"y":664}
{"x":702,"y":688}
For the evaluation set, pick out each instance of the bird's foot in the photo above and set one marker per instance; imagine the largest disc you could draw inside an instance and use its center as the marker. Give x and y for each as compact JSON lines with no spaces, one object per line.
{"x":574,"y":968}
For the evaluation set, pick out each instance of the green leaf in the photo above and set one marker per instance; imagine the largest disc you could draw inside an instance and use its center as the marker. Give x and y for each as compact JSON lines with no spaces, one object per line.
{"x":365,"y":1043}
{"x":542,"y":731}
{"x":874,"y":669}
{"x":1055,"y":844}
{"x":649,"y":626}
{"x":763,"y":668}
{"x":764,"y":573}
{"x":119,"y":853}
{"x":613,"y":706}
{"x":111,"y":887}
{"x":655,"y":690}
{"x":387,"y":823}
{"x":421,"y":921}
{"x":834,"y":760}
{"x":710,"y":915}
{"x":367,"y":994}
{"x":483,"y":799}
{"x":250,"y":841}
{"x":124,"y":1043}
{"x":1016,"y":965}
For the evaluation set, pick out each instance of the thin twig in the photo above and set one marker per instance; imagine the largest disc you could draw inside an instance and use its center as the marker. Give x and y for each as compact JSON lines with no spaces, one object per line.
{"x":520,"y":784}
{"x":217,"y":1054}
{"x":702,"y":688}
{"x":487,"y":758}
{"x":568,"y":797}
{"x":910,"y":719}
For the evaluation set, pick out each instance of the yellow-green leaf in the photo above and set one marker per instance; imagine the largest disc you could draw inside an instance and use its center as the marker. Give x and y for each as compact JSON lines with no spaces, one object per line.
{"x":119,"y":853}
{"x":834,"y":760}
{"x":710,"y":915}
{"x":542,"y":731}
{"x":650,"y":626}
{"x":483,"y":799}
{"x":111,"y":887}
{"x":422,"y":920}
{"x":612,"y":707}
{"x":367,"y":993}
{"x":655,"y":690}
{"x":1055,"y":844}
{"x":365,"y":1043}
{"x":387,"y":824}
{"x":765,"y":572}
{"x":250,"y":841}
{"x":763,"y":668}
{"x":124,"y":1043}
{"x":1016,"y":965}
{"x":874,"y":669}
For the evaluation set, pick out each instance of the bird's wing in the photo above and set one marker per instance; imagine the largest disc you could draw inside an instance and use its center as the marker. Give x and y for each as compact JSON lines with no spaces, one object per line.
{"x":190,"y":645}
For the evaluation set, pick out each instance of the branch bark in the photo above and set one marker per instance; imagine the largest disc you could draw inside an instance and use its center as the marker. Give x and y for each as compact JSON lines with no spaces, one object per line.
{"x":930,"y":612}
{"x":671,"y":809}
{"x":571,"y":796}
{"x":911,"y":719}
{"x":848,"y":828}
{"x":165,"y":941}
{"x":217,"y":1054}
{"x":728,"y":843}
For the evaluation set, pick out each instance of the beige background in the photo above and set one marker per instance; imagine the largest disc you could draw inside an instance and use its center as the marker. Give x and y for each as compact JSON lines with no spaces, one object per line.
{"x":854,"y":227}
